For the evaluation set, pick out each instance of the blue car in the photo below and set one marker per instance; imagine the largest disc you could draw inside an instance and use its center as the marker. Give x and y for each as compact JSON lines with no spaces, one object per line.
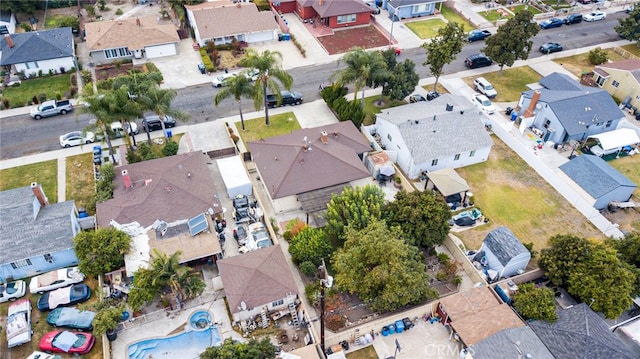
{"x":71,"y":318}
{"x":63,"y":297}
{"x":551,"y":23}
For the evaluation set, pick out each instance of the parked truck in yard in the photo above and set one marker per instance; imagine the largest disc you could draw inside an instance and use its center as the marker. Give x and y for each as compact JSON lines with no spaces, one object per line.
{"x":51,"y":108}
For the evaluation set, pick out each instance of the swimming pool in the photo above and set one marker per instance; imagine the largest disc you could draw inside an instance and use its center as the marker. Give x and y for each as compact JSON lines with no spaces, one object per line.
{"x":199,"y":334}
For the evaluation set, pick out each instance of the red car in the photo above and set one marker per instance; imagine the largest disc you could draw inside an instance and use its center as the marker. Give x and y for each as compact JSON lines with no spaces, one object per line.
{"x":67,"y":342}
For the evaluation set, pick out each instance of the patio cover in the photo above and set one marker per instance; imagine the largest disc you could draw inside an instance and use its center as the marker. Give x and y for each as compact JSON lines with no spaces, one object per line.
{"x":617,"y":139}
{"x":448,"y":181}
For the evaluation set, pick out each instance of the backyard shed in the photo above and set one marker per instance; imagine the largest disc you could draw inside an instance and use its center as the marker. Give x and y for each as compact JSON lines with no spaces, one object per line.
{"x":599,"y":179}
{"x":235,"y":176}
{"x":505,"y":253}
{"x":614,"y":141}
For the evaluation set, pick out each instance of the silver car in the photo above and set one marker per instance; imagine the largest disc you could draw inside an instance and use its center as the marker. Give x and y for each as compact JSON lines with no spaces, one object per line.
{"x":77,"y":138}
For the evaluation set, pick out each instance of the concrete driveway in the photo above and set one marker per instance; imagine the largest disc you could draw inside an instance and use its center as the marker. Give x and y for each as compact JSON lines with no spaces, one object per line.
{"x":181,"y":70}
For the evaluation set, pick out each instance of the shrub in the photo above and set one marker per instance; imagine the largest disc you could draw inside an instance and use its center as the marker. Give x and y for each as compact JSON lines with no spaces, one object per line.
{"x":119,"y":12}
{"x":206,"y":60}
{"x":598,"y":56}
{"x":104,"y":186}
{"x":151,"y":67}
{"x":42,"y":97}
{"x":35,"y":100}
{"x":308,"y":268}
{"x":26,"y":27}
{"x":312,"y":292}
{"x":133,"y":157}
{"x":170,"y":148}
{"x":86,"y":76}
{"x":87,"y":90}
{"x":442,"y":257}
{"x":6,"y":103}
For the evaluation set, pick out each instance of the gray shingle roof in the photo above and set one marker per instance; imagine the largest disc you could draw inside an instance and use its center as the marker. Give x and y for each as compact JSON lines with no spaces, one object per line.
{"x":580,"y":333}
{"x":504,"y":244}
{"x":22,"y":236}
{"x":595,"y":175}
{"x":576,"y":106}
{"x":509,"y":343}
{"x":37,"y":46}
{"x":430,"y":131}
{"x":329,"y":8}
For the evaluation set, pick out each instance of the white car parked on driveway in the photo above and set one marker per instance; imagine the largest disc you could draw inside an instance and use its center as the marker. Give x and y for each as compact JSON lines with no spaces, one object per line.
{"x":12,"y":290}
{"x":483,"y":103}
{"x":55,"y":279}
{"x":594,"y":16}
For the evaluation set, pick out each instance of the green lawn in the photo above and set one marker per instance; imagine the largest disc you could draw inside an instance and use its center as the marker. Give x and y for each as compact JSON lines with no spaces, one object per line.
{"x":496,"y":14}
{"x":256,"y":129}
{"x":511,"y":83}
{"x":579,"y":64}
{"x":45,"y":173}
{"x":80,"y":184}
{"x":22,"y":95}
{"x":629,"y":166}
{"x":453,"y":16}
{"x":371,"y":108}
{"x":632,"y":48}
{"x":364,"y":353}
{"x":532,"y":9}
{"x":426,"y":29}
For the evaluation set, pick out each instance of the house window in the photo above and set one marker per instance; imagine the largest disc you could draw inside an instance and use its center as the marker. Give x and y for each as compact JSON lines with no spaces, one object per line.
{"x":456,"y":157}
{"x":615,"y":83}
{"x":472,"y":153}
{"x":547,"y":123}
{"x":114,"y":53}
{"x":601,"y":80}
{"x":277,"y":303}
{"x":345,"y":19}
{"x":608,"y":124}
{"x":48,"y":257}
{"x":416,"y":9}
{"x":434,"y":162}
{"x":21,"y":263}
{"x":389,"y":138}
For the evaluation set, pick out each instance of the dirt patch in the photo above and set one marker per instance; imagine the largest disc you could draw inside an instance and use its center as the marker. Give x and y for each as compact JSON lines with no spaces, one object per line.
{"x":110,"y":71}
{"x":342,"y":40}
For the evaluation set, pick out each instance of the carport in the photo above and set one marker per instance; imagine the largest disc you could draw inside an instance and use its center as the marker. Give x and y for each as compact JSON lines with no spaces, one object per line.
{"x":314,"y":203}
{"x":614,"y":141}
{"x":447,"y":181}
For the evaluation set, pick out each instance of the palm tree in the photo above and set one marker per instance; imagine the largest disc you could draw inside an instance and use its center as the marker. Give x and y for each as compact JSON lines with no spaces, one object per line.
{"x":124,"y":109}
{"x":239,"y":86}
{"x":159,"y":101}
{"x":269,"y":67}
{"x":183,"y":281}
{"x":99,"y":106}
{"x":362,"y":68}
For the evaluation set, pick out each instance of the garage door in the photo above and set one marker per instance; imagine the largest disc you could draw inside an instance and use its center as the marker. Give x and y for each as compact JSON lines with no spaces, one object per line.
{"x":261,"y":36}
{"x":160,"y":51}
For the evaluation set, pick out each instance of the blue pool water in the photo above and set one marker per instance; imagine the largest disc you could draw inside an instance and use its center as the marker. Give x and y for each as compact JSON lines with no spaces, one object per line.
{"x":189,"y":344}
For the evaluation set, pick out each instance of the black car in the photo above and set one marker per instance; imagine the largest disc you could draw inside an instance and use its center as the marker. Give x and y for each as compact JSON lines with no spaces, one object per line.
{"x":550,"y":47}
{"x":477,"y":60}
{"x":416,"y":98}
{"x":572,"y":19}
{"x":152,"y":123}
{"x":63,"y":297}
{"x":432,"y":95}
{"x":288,"y":98}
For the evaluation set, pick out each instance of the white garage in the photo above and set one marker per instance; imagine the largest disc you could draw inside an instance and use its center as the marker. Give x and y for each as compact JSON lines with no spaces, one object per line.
{"x":269,"y":35}
{"x":161,"y":50}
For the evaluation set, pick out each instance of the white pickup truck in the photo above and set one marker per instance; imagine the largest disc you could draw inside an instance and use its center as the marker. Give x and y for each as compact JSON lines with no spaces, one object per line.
{"x":51,"y":108}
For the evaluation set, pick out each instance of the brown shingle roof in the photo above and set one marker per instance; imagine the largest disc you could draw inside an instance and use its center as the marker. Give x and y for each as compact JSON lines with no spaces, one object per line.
{"x":469,"y":302}
{"x":170,"y":188}
{"x":329,"y":8}
{"x":287,"y":168}
{"x":475,"y":327}
{"x":257,"y":278}
{"x":214,"y":22}
{"x":111,"y":34}
{"x":631,"y":65}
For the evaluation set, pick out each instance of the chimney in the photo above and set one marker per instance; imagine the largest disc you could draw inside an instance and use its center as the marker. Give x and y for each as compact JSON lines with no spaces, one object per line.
{"x":324,"y":137}
{"x":39,"y":193}
{"x":449,"y":107}
{"x":532,"y":105}
{"x":7,"y":37}
{"x":126,"y":179}
{"x":138,"y":21}
{"x":320,"y":2}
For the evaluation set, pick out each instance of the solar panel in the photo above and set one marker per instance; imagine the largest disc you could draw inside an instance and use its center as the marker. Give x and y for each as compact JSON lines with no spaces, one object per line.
{"x":198,"y":224}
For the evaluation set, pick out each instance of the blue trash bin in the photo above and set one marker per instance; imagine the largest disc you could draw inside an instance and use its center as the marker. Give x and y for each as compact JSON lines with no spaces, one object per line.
{"x":399,"y":326}
{"x":514,"y":116}
{"x":169,"y":134}
{"x":287,"y":37}
{"x":392,"y":328}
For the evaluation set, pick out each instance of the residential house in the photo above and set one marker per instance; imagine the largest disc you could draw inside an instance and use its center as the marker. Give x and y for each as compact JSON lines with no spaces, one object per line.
{"x":447,"y":132}
{"x":599,"y":179}
{"x":476,"y":314}
{"x":36,"y":53}
{"x":406,"y":9}
{"x":257,"y":281}
{"x":563,"y":110}
{"x":621,"y":79}
{"x":505,"y":254}
{"x":580,"y":333}
{"x":35,"y":236}
{"x":305,"y":167}
{"x":335,"y":14}
{"x":112,"y":40}
{"x":7,"y":22}
{"x":221,"y":22}
{"x":519,"y":342}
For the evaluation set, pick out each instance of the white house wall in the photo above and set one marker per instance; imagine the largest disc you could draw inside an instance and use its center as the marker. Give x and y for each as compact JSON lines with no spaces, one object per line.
{"x":286,"y":203}
{"x":516,"y":264}
{"x":268,"y":35}
{"x":45,"y":65}
{"x":480,"y":155}
{"x":161,"y":51}
{"x":252,"y":312}
{"x":621,"y":194}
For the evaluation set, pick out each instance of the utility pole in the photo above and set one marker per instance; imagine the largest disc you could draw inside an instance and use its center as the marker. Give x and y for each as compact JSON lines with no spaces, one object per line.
{"x":326,"y":281}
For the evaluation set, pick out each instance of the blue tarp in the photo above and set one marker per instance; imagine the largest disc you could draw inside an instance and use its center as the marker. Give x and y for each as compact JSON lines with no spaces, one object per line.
{"x":64,"y":341}
{"x":71,"y":317}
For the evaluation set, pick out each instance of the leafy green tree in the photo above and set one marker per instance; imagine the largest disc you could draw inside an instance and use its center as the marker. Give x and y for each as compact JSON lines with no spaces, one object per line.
{"x":565,"y":253}
{"x":598,"y":56}
{"x":381,"y":268}
{"x":231,"y":349}
{"x":422,"y":215}
{"x":270,"y":76}
{"x":603,"y":282}
{"x":21,"y":6}
{"x":356,"y":207}
{"x":64,"y":21}
{"x":443,"y":49}
{"x":159,"y":100}
{"x":310,"y":245}
{"x":629,"y":27}
{"x":107,"y":320}
{"x":402,"y":81}
{"x":101,"y":251}
{"x":363,"y":68}
{"x":124,"y":110}
{"x":628,"y":248}
{"x":100,"y":106}
{"x":535,"y":303}
{"x":512,"y":41}
{"x":239,"y":87}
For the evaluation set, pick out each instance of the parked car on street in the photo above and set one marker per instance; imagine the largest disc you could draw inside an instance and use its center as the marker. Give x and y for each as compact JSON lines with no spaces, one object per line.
{"x":18,"y":330}
{"x":477,"y":60}
{"x":222,"y":80}
{"x":550,"y":47}
{"x":572,"y":19}
{"x":12,"y":290}
{"x":252,"y":74}
{"x":483,"y":103}
{"x":416,"y":97}
{"x":77,"y":138}
{"x":595,"y":16}
{"x":66,"y":296}
{"x":55,"y":279}
{"x":374,"y":7}
{"x":152,"y":123}
{"x":118,"y":132}
{"x":71,"y":318}
{"x":288,"y":98}
{"x":76,"y":343}
{"x":485,"y":87}
{"x":477,"y":35}
{"x":51,"y":108}
{"x":551,"y":23}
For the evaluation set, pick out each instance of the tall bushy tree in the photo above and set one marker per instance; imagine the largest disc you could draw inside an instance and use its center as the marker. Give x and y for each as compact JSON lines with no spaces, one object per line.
{"x":535,"y":303}
{"x":270,"y":76}
{"x":402,"y":81}
{"x":629,"y":27}
{"x":355,"y":207}
{"x":363,"y":68}
{"x":239,"y":87}
{"x":512,"y":41}
{"x":232,"y":349}
{"x":310,"y":245}
{"x":443,"y":49}
{"x":422,"y":216}
{"x":101,"y":251}
{"x":562,"y":257}
{"x":381,"y":268}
